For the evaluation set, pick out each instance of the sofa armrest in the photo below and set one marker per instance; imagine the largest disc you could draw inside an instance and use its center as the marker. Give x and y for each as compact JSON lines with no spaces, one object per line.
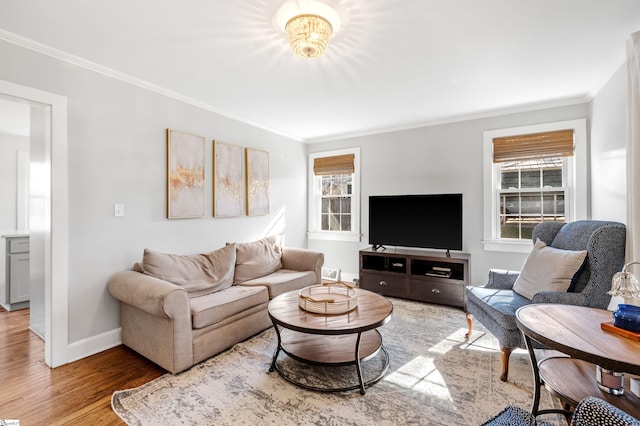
{"x":502,"y":279}
{"x":149,"y":294}
{"x":155,"y":319}
{"x":297,"y":259}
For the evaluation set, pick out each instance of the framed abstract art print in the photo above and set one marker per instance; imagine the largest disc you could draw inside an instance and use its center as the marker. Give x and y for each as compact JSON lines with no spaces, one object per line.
{"x":185,"y":175}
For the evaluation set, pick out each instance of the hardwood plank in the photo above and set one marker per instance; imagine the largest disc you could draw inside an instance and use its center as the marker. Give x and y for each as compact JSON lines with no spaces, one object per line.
{"x":76,"y":393}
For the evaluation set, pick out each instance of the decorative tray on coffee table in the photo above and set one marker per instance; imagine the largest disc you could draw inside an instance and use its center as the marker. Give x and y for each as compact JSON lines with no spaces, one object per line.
{"x":328,"y":298}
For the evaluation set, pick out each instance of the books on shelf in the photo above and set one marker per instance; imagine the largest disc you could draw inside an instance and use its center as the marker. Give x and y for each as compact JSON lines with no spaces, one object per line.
{"x":438,"y":271}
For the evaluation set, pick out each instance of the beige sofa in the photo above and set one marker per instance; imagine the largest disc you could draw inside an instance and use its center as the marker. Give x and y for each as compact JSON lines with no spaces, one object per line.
{"x":180,"y":310}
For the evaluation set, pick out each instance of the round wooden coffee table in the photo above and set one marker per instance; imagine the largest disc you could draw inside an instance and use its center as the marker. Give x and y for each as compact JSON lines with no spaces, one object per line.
{"x":330,"y":340}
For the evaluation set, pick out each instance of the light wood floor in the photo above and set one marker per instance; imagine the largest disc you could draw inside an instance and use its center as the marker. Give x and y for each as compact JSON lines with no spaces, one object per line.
{"x":78,"y":393}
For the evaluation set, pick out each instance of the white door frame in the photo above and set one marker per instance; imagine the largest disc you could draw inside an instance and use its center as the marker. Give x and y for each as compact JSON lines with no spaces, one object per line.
{"x":56,"y":223}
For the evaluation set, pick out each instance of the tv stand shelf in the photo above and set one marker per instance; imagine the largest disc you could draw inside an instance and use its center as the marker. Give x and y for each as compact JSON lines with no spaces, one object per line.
{"x":426,"y":276}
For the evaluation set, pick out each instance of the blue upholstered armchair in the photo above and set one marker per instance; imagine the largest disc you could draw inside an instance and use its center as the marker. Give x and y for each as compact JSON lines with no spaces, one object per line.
{"x":494,"y":305}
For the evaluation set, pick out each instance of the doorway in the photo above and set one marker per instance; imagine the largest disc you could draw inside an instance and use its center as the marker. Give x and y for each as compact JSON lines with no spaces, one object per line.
{"x":48,"y":210}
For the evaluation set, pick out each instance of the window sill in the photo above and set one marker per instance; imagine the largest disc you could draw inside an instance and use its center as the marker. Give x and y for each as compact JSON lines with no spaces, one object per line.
{"x":511,"y":246}
{"x":335,"y":236}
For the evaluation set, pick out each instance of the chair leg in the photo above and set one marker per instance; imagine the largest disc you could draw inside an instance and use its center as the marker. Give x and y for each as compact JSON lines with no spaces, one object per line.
{"x":469,"y":325}
{"x":505,"y":353}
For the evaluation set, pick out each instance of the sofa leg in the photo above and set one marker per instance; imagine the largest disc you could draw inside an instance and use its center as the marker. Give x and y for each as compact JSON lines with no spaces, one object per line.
{"x":505,"y":353}
{"x":469,"y":325}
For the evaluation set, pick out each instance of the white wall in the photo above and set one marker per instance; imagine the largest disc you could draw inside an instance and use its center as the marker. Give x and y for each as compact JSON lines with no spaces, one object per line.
{"x":436,"y":159}
{"x":10,"y":144}
{"x":608,"y":150}
{"x":117,"y":154}
{"x":40,"y":126}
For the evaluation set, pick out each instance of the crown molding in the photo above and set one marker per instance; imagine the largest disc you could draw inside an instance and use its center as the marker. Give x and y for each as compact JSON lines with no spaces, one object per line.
{"x":458,"y":118}
{"x":109,"y":72}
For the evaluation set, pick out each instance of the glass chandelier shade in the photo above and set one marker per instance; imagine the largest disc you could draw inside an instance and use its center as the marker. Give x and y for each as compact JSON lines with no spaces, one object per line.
{"x":309,"y":25}
{"x":309,"y":35}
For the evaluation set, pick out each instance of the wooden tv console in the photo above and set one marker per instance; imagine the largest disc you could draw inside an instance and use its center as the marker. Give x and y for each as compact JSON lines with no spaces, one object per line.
{"x":426,"y":276}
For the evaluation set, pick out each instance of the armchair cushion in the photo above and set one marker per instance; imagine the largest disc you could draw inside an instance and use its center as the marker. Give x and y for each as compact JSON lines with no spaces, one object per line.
{"x":257,"y":258}
{"x":198,"y":274}
{"x":548,"y":269}
{"x":498,"y":307}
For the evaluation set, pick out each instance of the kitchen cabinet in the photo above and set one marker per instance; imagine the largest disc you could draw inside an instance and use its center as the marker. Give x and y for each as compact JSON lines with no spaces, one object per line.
{"x":17,"y":279}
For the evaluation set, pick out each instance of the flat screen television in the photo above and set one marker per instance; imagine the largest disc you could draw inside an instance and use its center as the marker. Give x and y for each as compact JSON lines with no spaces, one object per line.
{"x":431,"y":221}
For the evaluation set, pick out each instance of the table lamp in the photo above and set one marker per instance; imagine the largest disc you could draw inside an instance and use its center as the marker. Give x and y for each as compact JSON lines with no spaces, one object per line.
{"x":625,"y":284}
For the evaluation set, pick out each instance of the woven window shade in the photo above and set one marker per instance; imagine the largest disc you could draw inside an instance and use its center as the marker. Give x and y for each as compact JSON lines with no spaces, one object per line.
{"x":336,"y":165}
{"x":558,"y":143}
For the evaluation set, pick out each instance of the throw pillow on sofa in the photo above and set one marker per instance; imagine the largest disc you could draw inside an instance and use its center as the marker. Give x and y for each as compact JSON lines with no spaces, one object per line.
{"x":257,"y":259}
{"x":199,"y":274}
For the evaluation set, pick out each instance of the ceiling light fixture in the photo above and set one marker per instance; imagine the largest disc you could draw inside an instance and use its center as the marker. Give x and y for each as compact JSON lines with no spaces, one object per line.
{"x":310,"y":25}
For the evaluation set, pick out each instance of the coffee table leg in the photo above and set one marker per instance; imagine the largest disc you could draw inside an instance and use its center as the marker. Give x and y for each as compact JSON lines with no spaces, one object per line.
{"x":278,"y":348}
{"x":358,"y":368}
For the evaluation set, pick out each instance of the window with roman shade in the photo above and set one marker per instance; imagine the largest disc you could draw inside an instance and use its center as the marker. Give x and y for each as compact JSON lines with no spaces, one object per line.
{"x":533,"y":146}
{"x":532,"y":176}
{"x":333,"y":200}
{"x":335,"y":165}
{"x":532,"y":188}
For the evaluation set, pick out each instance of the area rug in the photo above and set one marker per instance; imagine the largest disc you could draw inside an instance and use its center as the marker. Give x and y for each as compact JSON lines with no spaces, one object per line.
{"x":435,"y":377}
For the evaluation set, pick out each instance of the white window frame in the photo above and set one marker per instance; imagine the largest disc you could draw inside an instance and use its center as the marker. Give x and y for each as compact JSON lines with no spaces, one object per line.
{"x":576,"y":174}
{"x":315,"y":191}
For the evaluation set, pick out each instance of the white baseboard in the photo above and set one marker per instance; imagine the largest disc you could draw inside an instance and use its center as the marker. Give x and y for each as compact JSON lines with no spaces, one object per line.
{"x":37,"y":333}
{"x":94,"y":345}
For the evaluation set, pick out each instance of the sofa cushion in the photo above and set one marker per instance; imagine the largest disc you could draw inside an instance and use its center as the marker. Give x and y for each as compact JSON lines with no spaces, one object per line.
{"x":257,"y":258}
{"x":199,"y":274}
{"x":282,"y":281}
{"x":215,"y":307}
{"x":548,"y":269}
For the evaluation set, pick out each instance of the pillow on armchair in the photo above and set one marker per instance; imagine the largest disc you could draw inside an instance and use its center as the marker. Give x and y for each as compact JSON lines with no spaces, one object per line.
{"x":548,"y":269}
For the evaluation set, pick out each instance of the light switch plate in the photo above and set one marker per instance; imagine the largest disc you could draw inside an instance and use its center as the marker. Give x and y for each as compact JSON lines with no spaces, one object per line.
{"x":118,"y":210}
